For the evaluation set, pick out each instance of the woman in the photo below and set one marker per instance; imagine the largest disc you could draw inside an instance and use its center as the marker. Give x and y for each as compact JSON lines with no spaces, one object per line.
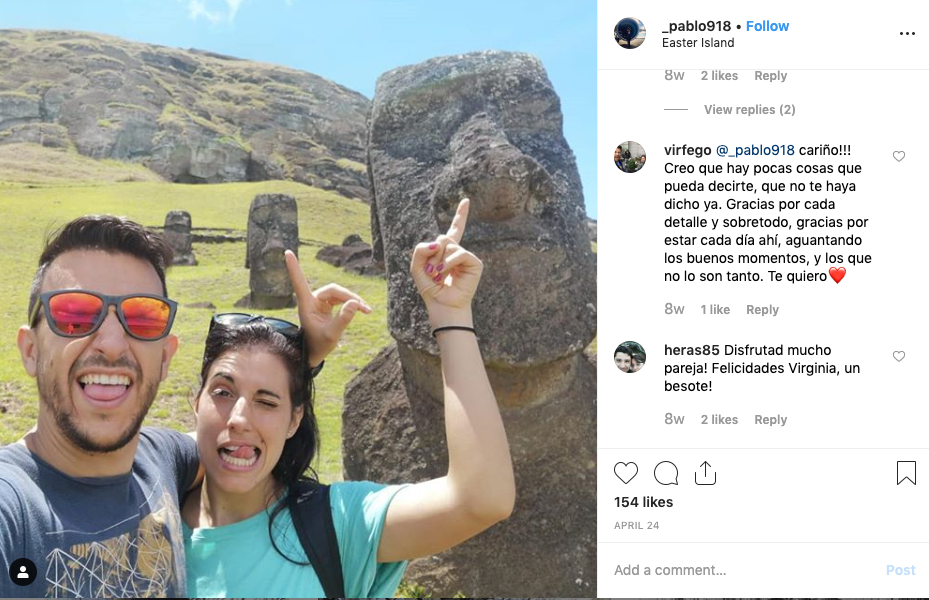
{"x":256,"y":433}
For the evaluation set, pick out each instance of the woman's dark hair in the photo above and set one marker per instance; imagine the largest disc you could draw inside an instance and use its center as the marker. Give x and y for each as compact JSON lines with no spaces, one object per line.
{"x":303,"y":446}
{"x":115,"y":235}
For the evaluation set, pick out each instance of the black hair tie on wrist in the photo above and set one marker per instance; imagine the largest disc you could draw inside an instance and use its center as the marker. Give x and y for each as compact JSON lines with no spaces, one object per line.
{"x":453,"y":327}
{"x":314,"y":371}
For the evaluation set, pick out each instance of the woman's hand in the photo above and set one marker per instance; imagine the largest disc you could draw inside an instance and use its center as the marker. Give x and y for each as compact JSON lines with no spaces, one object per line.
{"x":321,"y":328}
{"x":479,"y":488}
{"x":446,"y":274}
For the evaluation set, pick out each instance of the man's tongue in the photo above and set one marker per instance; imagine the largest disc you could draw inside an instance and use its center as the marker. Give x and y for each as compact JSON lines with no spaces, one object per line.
{"x":104,"y":393}
{"x":243,"y":452}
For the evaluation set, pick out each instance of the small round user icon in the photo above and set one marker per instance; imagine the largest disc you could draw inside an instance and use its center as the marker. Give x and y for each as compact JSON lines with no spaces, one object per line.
{"x":629,"y":357}
{"x":23,"y":571}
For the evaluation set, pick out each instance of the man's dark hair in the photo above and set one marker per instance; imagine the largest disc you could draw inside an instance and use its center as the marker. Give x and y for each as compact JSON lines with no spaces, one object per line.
{"x":623,"y":350}
{"x":116,"y":235}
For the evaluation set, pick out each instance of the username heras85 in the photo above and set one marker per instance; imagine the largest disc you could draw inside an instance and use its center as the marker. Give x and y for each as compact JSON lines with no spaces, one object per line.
{"x":746,"y":350}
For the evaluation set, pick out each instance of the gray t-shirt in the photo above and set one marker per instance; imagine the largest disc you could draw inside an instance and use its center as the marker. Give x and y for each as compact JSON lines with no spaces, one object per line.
{"x":98,"y":536}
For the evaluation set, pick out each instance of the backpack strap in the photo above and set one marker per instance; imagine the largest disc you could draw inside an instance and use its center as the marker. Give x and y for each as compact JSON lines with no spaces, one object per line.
{"x":312,"y":517}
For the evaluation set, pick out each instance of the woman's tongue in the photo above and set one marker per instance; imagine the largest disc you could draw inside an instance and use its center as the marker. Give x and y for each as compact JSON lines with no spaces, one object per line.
{"x":104,"y":393}
{"x":243,"y":452}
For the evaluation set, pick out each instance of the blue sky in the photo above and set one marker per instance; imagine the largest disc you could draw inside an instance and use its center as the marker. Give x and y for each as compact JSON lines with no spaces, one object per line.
{"x":353,"y":41}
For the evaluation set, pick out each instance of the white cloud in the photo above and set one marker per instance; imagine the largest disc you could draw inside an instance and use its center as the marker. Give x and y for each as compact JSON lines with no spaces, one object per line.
{"x":196,"y":9}
{"x":223,"y":10}
{"x":233,"y":8}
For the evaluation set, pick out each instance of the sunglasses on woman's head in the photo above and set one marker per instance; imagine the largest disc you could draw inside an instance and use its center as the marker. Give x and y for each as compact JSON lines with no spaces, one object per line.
{"x":238,"y":319}
{"x":79,"y":313}
{"x":285,"y":328}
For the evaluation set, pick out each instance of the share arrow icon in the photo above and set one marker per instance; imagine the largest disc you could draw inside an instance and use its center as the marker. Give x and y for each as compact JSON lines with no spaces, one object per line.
{"x":706,"y":475}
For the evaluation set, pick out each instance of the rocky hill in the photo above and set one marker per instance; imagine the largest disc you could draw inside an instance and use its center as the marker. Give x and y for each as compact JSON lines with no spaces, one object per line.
{"x":190,"y":116}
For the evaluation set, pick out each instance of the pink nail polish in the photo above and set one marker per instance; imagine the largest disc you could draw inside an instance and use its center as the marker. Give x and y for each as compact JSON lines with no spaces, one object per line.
{"x":437,"y":278}
{"x":442,"y":266}
{"x":428,"y":268}
{"x":433,"y":246}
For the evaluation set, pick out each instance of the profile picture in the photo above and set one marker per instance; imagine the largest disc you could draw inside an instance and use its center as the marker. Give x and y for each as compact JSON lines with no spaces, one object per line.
{"x":629,"y":157}
{"x":629,"y":357}
{"x":629,"y":33}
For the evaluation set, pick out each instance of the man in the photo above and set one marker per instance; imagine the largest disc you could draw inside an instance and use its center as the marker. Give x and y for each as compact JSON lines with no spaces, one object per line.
{"x":623,"y":358}
{"x":618,"y":158}
{"x":89,"y":495}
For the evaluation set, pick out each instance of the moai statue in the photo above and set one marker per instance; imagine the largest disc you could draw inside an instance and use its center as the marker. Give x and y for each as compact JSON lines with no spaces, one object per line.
{"x":486,"y":126}
{"x":272,"y":228}
{"x":177,"y":233}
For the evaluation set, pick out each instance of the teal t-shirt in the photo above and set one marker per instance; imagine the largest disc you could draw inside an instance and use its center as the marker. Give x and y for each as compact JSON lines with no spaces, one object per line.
{"x":238,"y":560}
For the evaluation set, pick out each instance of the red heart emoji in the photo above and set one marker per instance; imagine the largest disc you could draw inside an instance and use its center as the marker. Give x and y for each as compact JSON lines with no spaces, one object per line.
{"x":837,"y":274}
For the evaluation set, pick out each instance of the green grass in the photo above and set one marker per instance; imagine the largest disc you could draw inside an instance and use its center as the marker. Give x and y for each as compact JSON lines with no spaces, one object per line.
{"x":412,"y":590}
{"x":19,"y":94}
{"x":351,"y":165}
{"x":37,"y":87}
{"x":130,"y":106}
{"x":284,"y":164}
{"x":179,"y":116}
{"x":220,"y":278}
{"x":31,"y":165}
{"x":81,"y":46}
{"x":285,"y":90}
{"x":104,"y":59}
{"x":237,"y":94}
{"x":236,"y":140}
{"x":167,"y":87}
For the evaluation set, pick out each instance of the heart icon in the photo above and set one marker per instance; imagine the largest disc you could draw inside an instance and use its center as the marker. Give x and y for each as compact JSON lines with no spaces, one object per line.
{"x":626,"y":471}
{"x":899,"y":154}
{"x":899,"y":355}
{"x":837,"y":274}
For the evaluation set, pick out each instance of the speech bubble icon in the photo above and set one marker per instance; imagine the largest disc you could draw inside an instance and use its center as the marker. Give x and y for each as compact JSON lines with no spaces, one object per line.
{"x":666,"y":473}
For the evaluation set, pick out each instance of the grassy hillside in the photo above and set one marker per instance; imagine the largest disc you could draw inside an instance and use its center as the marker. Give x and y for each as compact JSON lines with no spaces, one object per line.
{"x":28,"y":213}
{"x":31,"y":165}
{"x":189,"y":115}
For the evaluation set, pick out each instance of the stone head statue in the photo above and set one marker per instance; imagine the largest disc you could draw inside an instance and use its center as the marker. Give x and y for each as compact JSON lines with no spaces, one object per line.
{"x":177,"y":233}
{"x":486,"y":126}
{"x":272,"y":228}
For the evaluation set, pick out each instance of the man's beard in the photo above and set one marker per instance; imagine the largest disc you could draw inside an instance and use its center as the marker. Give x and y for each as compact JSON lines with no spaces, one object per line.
{"x":51,"y":395}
